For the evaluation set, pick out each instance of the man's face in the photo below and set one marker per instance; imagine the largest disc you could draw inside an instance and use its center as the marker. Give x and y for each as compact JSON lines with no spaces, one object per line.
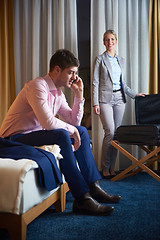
{"x":67,"y":76}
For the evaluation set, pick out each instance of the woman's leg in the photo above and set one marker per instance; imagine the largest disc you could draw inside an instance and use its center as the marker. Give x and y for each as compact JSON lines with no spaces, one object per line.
{"x":107,"y":119}
{"x":118,"y":112}
{"x":111,"y":118}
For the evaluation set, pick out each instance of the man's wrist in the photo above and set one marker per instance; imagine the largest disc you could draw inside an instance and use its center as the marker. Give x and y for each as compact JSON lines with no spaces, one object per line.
{"x":79,"y":94}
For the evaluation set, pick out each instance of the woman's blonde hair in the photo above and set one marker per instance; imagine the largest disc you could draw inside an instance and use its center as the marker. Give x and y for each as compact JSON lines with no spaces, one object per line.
{"x":109,"y":32}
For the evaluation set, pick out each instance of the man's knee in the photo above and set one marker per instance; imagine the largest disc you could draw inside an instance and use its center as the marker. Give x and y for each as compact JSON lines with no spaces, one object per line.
{"x":83,"y":133}
{"x":63,"y":133}
{"x":82,"y":129}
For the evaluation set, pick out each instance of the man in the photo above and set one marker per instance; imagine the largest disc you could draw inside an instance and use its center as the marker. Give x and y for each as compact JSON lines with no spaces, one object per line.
{"x":32,"y":120}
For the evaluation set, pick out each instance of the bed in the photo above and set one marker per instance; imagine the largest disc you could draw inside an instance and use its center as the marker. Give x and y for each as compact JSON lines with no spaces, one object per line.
{"x":22,"y":198}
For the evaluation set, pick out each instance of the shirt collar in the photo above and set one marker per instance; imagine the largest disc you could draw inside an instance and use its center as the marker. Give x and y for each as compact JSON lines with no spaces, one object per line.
{"x":50,"y":83}
{"x":111,"y":56}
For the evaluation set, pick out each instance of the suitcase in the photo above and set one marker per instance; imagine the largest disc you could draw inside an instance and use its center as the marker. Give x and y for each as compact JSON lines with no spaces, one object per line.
{"x":139,"y":134}
{"x":147,"y":129}
{"x":147,"y":109}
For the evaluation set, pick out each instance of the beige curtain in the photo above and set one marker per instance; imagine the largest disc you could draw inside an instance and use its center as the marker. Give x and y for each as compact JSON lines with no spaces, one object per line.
{"x":7,"y":75}
{"x":154,"y":52}
{"x":40,"y":28}
{"x":129,"y":18}
{"x":154,"y":46}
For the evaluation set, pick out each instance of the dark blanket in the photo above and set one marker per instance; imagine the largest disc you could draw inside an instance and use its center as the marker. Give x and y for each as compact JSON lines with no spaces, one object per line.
{"x":49,"y":174}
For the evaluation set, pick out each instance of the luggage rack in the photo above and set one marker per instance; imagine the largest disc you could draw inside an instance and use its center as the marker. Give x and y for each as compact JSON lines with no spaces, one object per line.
{"x":145,"y":134}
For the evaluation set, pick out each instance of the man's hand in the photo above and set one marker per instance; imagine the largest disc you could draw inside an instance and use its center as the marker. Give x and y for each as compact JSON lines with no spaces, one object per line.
{"x":77,"y":139}
{"x":77,"y":87}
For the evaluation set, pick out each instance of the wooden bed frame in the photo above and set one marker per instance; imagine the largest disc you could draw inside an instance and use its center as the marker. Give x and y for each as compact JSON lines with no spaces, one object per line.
{"x":17,"y":224}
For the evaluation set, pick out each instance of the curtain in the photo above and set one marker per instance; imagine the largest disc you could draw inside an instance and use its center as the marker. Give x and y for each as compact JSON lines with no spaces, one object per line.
{"x":7,"y":73}
{"x":129,"y":18}
{"x":154,"y":46}
{"x":42,"y":27}
{"x":154,"y":52}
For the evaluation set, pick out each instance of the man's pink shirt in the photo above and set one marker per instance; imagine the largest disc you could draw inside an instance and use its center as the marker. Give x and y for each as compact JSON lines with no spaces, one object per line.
{"x":37,"y":106}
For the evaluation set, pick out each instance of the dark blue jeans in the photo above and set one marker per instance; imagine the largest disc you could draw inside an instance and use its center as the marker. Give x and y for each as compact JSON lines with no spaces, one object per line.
{"x":78,"y":179}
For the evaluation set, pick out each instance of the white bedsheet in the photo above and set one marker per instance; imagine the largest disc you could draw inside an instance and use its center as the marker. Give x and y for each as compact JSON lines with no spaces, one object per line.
{"x":19,"y":187}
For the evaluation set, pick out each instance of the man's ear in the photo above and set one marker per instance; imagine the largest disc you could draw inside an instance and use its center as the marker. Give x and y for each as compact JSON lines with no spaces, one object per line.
{"x":57,"y":68}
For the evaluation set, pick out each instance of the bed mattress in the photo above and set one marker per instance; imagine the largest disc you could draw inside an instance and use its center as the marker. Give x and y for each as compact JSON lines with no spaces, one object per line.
{"x":19,"y":186}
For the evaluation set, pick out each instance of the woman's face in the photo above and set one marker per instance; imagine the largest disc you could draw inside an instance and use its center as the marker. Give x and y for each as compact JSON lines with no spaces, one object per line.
{"x":110,"y":42}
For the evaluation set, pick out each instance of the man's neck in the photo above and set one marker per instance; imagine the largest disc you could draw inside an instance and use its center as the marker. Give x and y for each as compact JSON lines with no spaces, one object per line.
{"x":53,"y":77}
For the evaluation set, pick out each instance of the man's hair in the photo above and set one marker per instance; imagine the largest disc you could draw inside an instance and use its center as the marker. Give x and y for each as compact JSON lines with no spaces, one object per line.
{"x":64,"y":59}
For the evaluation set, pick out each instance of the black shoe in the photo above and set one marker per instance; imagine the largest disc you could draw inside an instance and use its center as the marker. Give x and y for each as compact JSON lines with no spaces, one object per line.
{"x":107,"y":177}
{"x":101,"y":196}
{"x":87,"y":205}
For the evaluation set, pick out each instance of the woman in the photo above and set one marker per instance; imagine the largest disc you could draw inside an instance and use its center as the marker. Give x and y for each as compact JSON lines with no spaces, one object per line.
{"x":109,"y":98}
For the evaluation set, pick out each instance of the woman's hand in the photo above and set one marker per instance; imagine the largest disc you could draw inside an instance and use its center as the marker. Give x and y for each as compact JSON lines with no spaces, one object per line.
{"x":140,"y":94}
{"x":96,"y":109}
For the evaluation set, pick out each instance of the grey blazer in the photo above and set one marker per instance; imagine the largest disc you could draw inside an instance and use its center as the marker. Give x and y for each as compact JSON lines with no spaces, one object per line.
{"x":102,"y":80}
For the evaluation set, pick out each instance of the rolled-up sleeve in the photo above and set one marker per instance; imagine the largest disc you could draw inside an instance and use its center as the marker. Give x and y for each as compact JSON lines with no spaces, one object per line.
{"x":72,"y":116}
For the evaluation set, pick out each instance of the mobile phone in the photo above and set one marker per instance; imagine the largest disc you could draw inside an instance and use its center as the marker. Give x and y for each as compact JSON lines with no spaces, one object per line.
{"x":75,"y":80}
